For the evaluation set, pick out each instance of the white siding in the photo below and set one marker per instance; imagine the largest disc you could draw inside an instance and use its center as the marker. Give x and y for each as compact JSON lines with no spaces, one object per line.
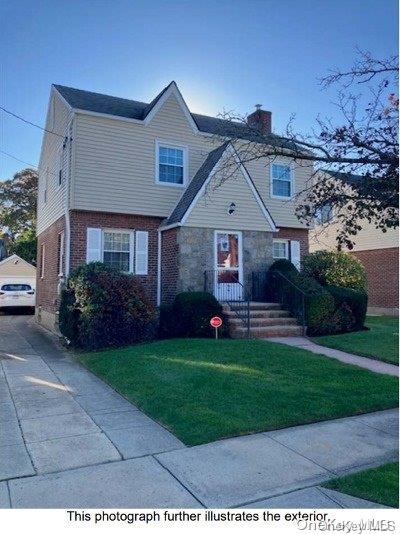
{"x":52,"y":156}
{"x":369,"y":238}
{"x":115,"y":162}
{"x":282,"y":211}
{"x":115,"y":166}
{"x":211,"y":209}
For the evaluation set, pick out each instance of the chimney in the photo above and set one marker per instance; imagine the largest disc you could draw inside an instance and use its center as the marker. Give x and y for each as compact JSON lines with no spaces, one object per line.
{"x":260,"y":120}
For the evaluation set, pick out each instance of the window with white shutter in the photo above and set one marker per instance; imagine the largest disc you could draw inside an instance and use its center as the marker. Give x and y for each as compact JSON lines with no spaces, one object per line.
{"x":141,"y":252}
{"x":93,"y":245}
{"x":125,"y":250}
{"x":295,"y":253}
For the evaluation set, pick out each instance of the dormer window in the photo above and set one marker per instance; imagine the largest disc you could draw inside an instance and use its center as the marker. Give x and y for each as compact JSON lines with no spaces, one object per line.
{"x":171,"y":164}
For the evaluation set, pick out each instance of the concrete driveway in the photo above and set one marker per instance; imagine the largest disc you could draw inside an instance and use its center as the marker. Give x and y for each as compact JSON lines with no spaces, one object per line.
{"x":69,"y":440}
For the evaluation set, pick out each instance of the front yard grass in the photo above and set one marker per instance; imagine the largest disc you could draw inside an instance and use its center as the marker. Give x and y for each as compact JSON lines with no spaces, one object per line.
{"x":380,"y":484}
{"x":204,"y":390}
{"x":381,"y":342}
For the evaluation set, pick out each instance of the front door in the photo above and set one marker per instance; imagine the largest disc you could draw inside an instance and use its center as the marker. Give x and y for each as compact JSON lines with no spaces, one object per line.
{"x":228,"y":266}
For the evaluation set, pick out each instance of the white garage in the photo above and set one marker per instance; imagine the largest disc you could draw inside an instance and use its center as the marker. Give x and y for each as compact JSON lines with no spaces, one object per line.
{"x":17,"y":282}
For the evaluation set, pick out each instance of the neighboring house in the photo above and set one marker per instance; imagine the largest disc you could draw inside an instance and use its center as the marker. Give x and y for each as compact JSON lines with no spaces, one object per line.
{"x":159,"y":191}
{"x":15,"y":270}
{"x":378,"y":251}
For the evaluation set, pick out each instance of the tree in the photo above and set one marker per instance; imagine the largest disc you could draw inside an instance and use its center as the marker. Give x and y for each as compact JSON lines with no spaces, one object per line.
{"x":25,"y":246}
{"x":361,"y":152}
{"x":18,"y":201}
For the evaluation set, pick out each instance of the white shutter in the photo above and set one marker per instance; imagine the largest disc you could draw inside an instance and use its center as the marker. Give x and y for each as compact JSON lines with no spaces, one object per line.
{"x":295,"y":253}
{"x":93,"y":245}
{"x":141,"y":253}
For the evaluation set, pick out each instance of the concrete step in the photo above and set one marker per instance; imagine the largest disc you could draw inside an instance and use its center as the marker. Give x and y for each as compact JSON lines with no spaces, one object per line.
{"x":260,"y":313}
{"x":253,"y":306}
{"x":263,"y":321}
{"x":264,"y":332}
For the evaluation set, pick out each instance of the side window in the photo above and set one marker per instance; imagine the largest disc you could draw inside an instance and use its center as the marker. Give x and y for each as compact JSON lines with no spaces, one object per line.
{"x":324,"y":214}
{"x":42,"y":260}
{"x":61,"y":254}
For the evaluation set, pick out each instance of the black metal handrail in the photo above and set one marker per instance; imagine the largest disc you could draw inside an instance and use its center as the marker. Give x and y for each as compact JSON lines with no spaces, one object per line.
{"x":291,"y":296}
{"x":234,"y":294}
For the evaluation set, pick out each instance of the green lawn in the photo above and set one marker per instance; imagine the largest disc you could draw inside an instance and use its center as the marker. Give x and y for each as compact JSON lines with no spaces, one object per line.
{"x":380,"y":484}
{"x":381,"y":342}
{"x":203,"y":390}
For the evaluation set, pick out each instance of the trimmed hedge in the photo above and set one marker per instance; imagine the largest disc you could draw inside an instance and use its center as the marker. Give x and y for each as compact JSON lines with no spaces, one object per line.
{"x":351,"y":302}
{"x":335,"y":268}
{"x":102,"y":307}
{"x":329,"y":309}
{"x":189,"y":316}
{"x":319,"y":304}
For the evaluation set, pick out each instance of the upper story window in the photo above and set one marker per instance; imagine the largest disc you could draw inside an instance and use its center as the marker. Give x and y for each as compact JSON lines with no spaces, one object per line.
{"x":171,"y":164}
{"x":281,"y":181}
{"x":324,"y":214}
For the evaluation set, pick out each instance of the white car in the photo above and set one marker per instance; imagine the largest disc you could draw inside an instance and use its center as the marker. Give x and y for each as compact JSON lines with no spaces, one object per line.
{"x":13,"y":294}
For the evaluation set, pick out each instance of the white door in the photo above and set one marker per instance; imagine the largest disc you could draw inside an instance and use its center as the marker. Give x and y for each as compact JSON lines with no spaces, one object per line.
{"x":228,"y":266}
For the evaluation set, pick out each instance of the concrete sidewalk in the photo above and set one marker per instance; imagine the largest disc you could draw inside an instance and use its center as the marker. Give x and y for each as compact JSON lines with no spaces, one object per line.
{"x":367,"y":363}
{"x":69,"y":440}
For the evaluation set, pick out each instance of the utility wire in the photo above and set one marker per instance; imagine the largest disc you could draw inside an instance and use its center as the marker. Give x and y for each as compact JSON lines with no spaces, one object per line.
{"x":17,"y":159}
{"x":31,"y":123}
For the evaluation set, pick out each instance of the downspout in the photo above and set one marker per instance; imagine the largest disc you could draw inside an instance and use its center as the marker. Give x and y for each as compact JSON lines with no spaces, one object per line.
{"x":71,"y":131}
{"x":158,"y":267}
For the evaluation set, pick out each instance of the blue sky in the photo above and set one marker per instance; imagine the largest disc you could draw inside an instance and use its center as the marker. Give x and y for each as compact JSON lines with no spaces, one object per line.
{"x":229,"y":54}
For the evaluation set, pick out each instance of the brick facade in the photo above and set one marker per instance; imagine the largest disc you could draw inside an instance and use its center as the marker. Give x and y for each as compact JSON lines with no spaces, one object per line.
{"x":81,"y":220}
{"x":295,"y":234}
{"x":382,"y":268}
{"x":47,"y":295}
{"x":169,"y":265}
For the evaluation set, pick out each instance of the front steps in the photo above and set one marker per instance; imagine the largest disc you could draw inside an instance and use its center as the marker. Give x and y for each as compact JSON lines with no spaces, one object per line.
{"x":267,"y":319}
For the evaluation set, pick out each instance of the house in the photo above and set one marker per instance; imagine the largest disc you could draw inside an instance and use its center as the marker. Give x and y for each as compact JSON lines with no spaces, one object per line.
{"x":159,"y":191}
{"x":378,"y":251}
{"x":17,"y":282}
{"x":15,"y":269}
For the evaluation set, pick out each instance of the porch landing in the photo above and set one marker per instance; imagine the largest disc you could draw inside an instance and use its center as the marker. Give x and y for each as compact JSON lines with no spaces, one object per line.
{"x":266,"y":319}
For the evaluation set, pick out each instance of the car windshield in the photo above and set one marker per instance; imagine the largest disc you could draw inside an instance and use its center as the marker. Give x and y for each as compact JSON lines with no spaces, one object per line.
{"x":16,"y":287}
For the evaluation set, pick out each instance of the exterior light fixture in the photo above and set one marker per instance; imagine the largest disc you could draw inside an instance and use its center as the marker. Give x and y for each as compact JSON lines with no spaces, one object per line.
{"x":232,"y":208}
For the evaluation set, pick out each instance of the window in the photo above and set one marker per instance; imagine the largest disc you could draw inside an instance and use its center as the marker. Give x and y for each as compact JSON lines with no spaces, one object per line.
{"x":16,"y":287}
{"x":281,"y":181}
{"x":61,"y":254}
{"x":280,"y":249}
{"x":42,"y":253}
{"x":324,"y":214}
{"x":171,"y":164}
{"x":117,"y":250}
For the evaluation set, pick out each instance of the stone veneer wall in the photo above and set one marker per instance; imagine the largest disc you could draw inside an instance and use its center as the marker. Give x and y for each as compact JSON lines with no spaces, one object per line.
{"x":196,"y":255}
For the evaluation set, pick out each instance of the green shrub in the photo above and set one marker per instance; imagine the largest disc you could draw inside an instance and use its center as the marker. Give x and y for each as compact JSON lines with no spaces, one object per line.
{"x":190,"y":314}
{"x":319,"y":304}
{"x":355,"y":302}
{"x":284,"y":266}
{"x":68,"y":316}
{"x":335,"y":268}
{"x":167,"y":322}
{"x":102,"y":307}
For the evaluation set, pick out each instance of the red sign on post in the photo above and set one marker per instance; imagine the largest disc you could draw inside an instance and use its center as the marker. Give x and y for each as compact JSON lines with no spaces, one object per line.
{"x":216,"y":322}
